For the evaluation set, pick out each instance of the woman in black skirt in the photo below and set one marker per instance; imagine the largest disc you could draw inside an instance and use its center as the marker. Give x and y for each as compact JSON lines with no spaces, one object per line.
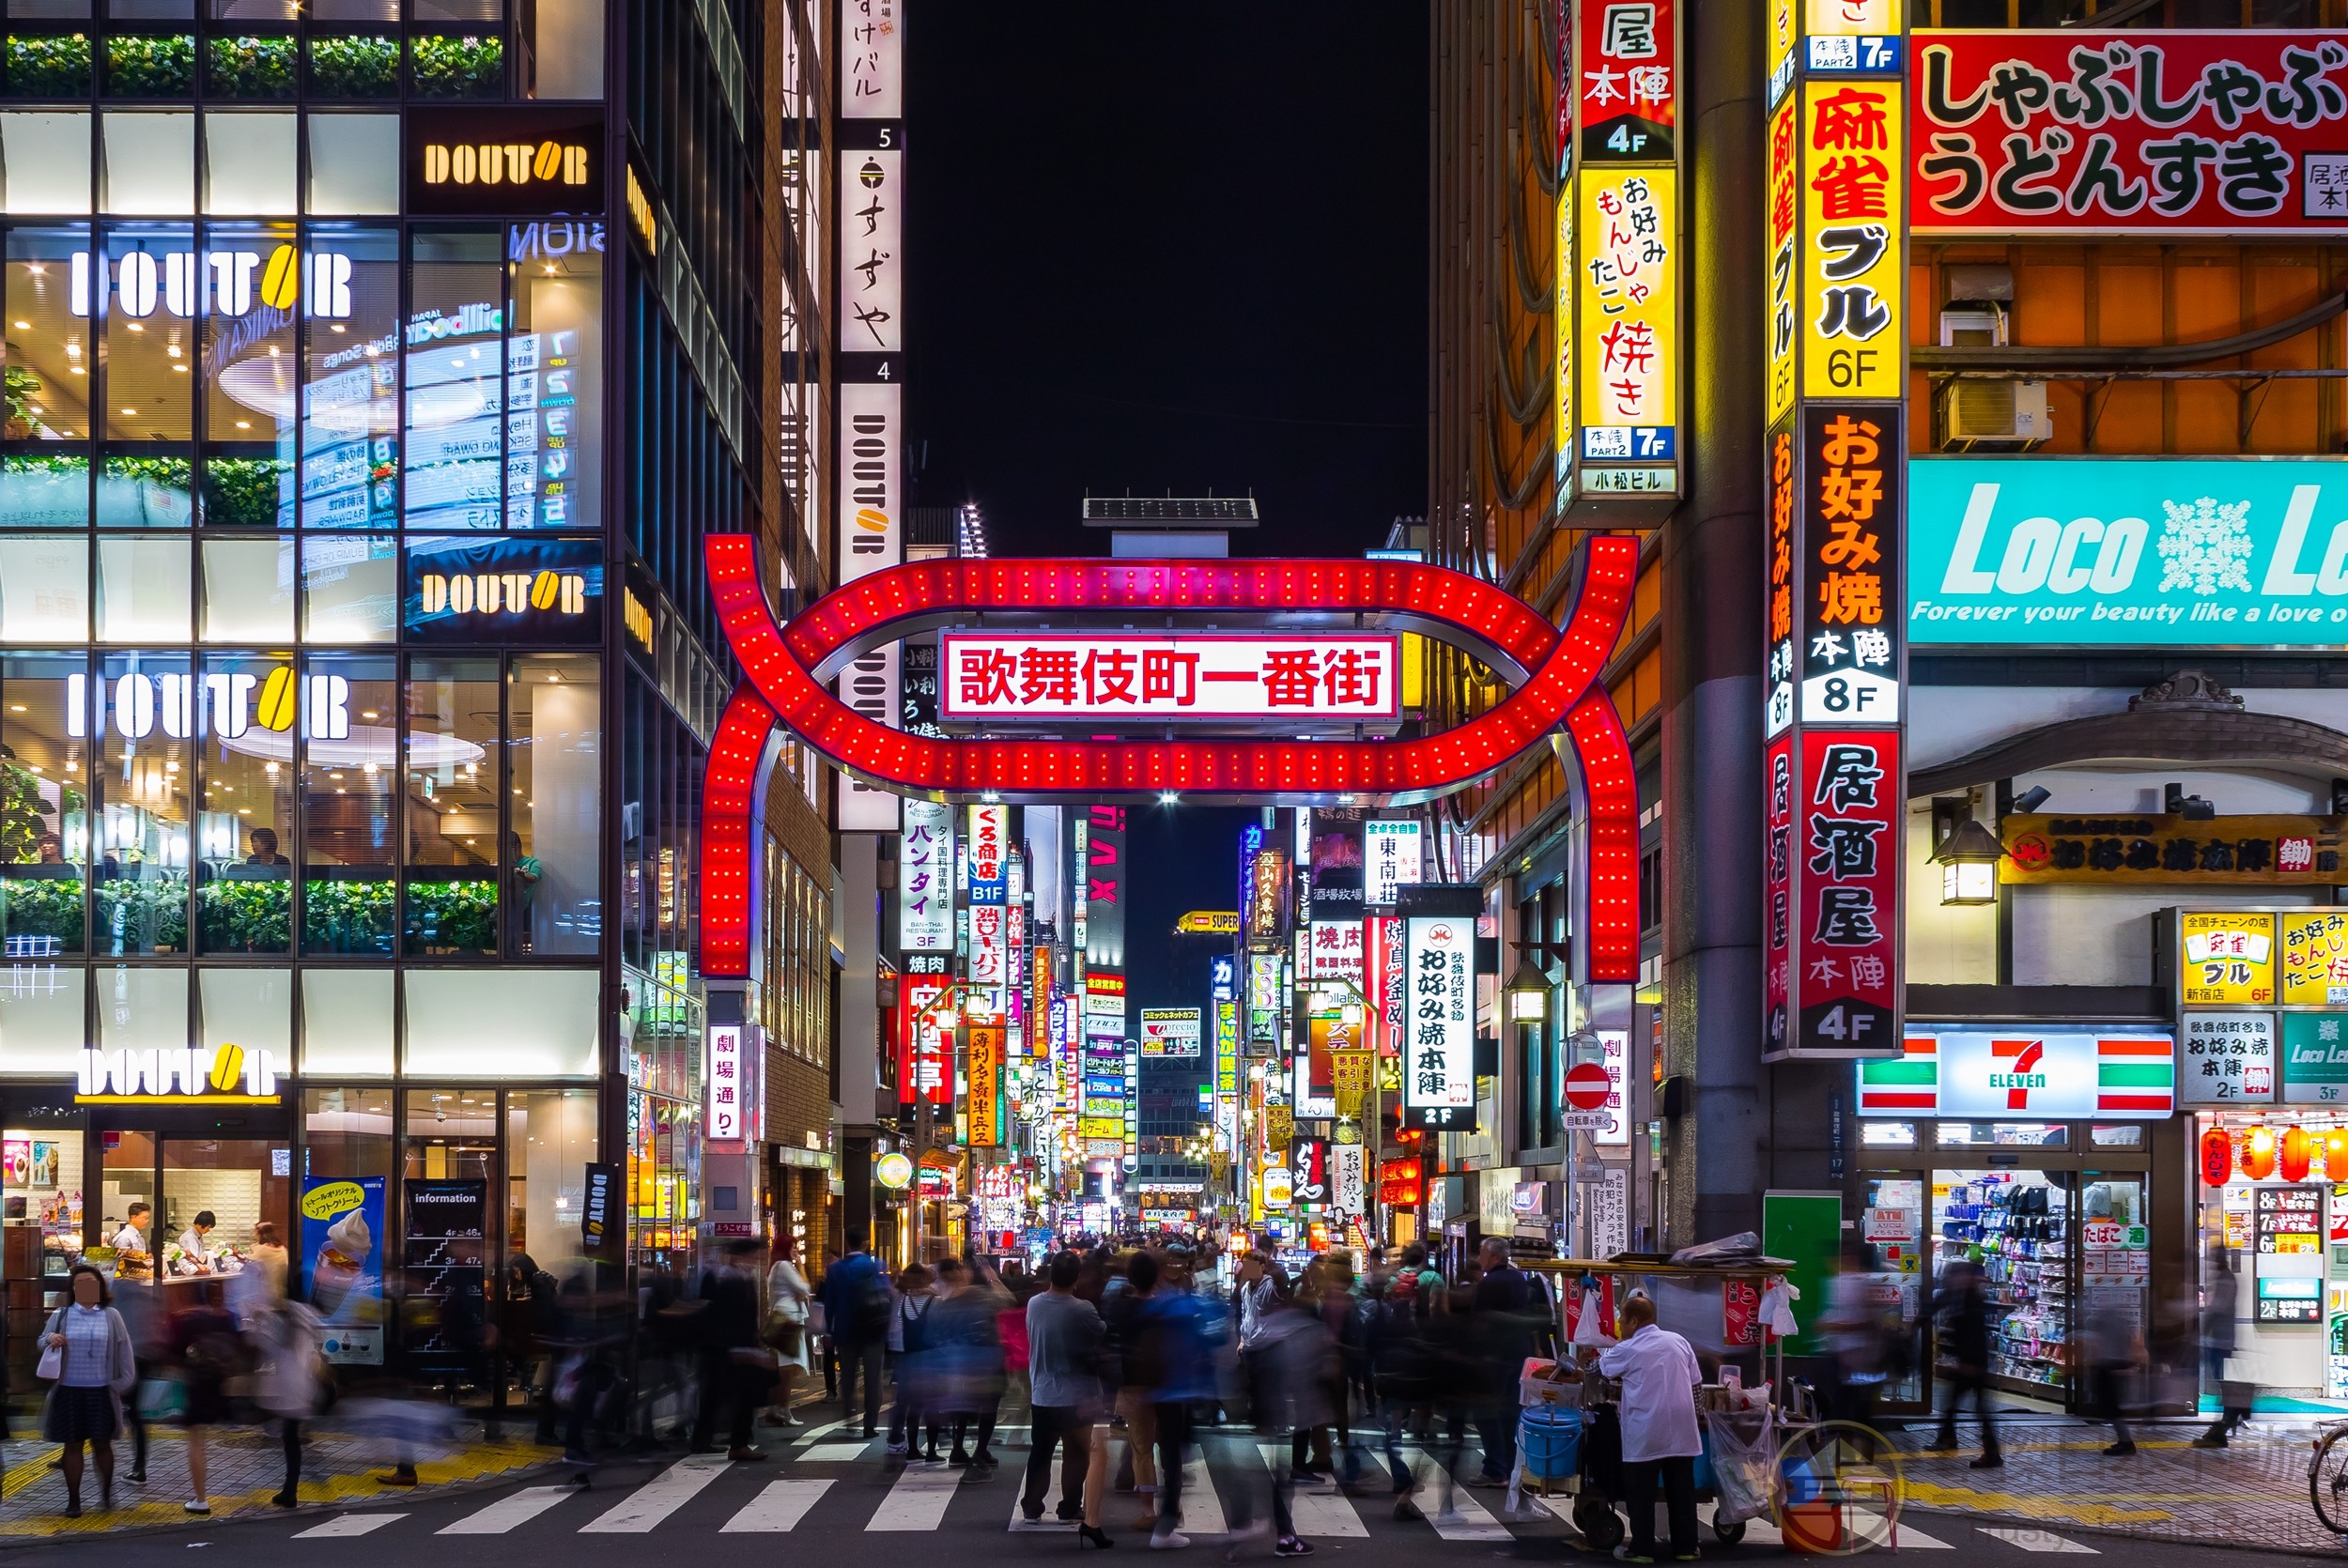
{"x":210,"y":1352}
{"x":96,"y":1370}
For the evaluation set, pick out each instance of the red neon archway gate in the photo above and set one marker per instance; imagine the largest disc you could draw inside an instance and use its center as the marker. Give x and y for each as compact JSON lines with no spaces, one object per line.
{"x":782,"y":685}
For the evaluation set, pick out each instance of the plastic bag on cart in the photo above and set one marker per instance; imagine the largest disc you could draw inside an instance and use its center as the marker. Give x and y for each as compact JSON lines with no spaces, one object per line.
{"x":1743,"y":1448}
{"x":1590,"y":1322}
{"x":1777,"y":1308}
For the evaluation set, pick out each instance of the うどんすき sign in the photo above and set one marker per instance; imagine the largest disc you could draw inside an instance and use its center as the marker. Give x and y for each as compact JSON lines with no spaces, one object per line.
{"x":2019,"y":1073}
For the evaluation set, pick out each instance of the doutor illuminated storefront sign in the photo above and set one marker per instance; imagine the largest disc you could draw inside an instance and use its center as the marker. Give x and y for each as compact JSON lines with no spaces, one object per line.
{"x":2163,"y":551}
{"x":2058,"y":131}
{"x":494,"y":162}
{"x":191,"y":1075}
{"x":495,"y":591}
{"x":1089,"y":677}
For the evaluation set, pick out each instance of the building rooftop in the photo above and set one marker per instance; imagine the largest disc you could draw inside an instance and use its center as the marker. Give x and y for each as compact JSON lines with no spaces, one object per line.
{"x":1169,"y":511}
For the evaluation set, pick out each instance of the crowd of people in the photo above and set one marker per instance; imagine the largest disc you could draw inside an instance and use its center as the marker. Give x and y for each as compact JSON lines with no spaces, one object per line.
{"x":114,"y":1358}
{"x":1137,"y":1341}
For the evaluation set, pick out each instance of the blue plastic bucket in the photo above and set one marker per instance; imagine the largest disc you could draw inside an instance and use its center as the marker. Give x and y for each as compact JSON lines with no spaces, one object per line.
{"x":1549,"y":1439}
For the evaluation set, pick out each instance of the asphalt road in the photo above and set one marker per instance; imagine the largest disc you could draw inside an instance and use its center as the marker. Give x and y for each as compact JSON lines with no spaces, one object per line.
{"x":849,"y":1494}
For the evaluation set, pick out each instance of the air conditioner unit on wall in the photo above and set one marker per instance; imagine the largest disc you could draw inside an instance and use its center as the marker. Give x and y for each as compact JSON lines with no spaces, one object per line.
{"x":1993,"y":413}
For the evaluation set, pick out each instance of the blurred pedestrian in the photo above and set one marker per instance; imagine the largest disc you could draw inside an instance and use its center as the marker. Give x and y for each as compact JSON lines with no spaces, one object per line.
{"x":787,"y":1298}
{"x":908,"y":1361}
{"x":1175,"y":1366}
{"x":138,"y":1299}
{"x":290,"y":1381}
{"x":532,"y":1314}
{"x":2221,"y":1298}
{"x":737,"y":1369}
{"x":963,"y":1337}
{"x":1506,"y":1332}
{"x":1063,"y":1367}
{"x":855,"y":1307}
{"x":820,"y":1330}
{"x":1403,"y":1370}
{"x":95,"y":1368}
{"x":260,"y":1283}
{"x":1659,"y":1437}
{"x":1962,"y":1306}
{"x":2114,"y":1348}
{"x":1295,"y":1356}
{"x":208,"y":1352}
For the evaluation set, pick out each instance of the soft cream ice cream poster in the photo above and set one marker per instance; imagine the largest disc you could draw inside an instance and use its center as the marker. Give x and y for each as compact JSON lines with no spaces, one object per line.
{"x":342,"y":1260}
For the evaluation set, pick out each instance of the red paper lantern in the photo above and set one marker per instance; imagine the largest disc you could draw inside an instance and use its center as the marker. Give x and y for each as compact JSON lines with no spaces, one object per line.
{"x":2217,"y":1156}
{"x":2335,"y":1154}
{"x":2258,"y":1153}
{"x":2297,"y":1150}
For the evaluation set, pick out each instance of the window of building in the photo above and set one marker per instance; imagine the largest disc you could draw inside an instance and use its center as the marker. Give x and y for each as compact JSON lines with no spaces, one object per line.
{"x":453,"y":382}
{"x":142,"y":589}
{"x":354,"y":164}
{"x":452,"y":781}
{"x":351,"y":388}
{"x":348,"y":805}
{"x":148,"y":166}
{"x":249,"y":163}
{"x":555,"y":725}
{"x":44,"y":812}
{"x":146,"y":705}
{"x":142,"y":1007}
{"x":350,"y":588}
{"x":244,"y":816}
{"x":44,"y":589}
{"x":150,"y":296}
{"x":346,"y":1027}
{"x":253,"y":277}
{"x":247,"y":590}
{"x":46,"y":158}
{"x":508,"y":1023}
{"x":555,"y":376}
{"x":50,"y":370}
{"x":550,"y":1138}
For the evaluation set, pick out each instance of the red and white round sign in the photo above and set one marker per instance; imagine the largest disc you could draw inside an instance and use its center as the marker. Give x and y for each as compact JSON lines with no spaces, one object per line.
{"x":1587,"y":1086}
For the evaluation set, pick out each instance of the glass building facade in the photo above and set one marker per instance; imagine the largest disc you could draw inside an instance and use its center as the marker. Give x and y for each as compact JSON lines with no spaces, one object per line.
{"x":370,"y":370}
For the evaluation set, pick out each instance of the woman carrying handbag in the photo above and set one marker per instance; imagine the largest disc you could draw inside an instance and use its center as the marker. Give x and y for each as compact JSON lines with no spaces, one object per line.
{"x":787,"y":1298}
{"x":85,"y":1354}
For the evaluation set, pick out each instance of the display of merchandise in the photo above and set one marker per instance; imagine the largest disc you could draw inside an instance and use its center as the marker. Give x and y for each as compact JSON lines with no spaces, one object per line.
{"x":2021,"y":1229}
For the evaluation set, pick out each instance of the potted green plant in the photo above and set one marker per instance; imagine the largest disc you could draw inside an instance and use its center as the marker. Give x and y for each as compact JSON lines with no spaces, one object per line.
{"x":446,"y":67}
{"x":49,"y":65}
{"x":245,"y":917}
{"x":244,"y":492}
{"x":358,"y":67}
{"x":452,"y":917}
{"x":148,"y":65}
{"x":250,"y":67}
{"x":346,"y":916}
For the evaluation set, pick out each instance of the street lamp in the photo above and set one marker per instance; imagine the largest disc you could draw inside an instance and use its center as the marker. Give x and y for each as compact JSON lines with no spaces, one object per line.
{"x":1969,"y":859}
{"x":1527,"y":991}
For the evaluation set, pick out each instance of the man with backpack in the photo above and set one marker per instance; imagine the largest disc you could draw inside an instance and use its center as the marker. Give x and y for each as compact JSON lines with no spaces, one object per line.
{"x":856,"y":1308}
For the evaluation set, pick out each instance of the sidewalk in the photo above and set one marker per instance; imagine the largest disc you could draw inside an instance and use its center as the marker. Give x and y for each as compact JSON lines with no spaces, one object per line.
{"x":2252,"y":1493}
{"x":247,"y":1464}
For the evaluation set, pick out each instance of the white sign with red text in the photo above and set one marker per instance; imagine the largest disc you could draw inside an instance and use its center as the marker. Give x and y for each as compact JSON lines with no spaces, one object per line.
{"x":1097,"y":675}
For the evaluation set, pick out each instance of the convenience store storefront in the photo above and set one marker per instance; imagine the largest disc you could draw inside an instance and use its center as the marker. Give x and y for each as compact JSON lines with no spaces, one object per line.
{"x":2045,"y":1154}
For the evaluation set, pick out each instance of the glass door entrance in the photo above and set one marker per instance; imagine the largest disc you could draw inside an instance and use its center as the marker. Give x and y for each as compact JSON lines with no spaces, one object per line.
{"x":202,"y":1196}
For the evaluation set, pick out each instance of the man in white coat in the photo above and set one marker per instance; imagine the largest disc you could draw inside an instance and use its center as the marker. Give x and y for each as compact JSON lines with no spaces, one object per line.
{"x":1660,"y":1438}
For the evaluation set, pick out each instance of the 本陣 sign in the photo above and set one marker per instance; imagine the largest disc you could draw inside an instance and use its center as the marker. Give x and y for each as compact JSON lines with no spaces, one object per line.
{"x":1439,"y":1038}
{"x":2198,"y":552}
{"x":2232,"y":132}
{"x":1831,"y":963}
{"x":2164,"y":849}
{"x":2228,"y":1058}
{"x":1626,"y":73}
{"x":1849,"y":583}
{"x":1094,"y":676}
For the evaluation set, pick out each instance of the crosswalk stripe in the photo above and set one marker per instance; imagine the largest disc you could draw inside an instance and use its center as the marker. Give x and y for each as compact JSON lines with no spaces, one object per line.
{"x":916,"y":1501}
{"x":1315,"y":1512}
{"x":1468,"y":1519}
{"x":778,"y":1508}
{"x":1202,"y":1509}
{"x":2039,"y":1540}
{"x":343,"y":1525}
{"x":835,"y":1453}
{"x":658,"y":1498}
{"x":518,"y":1508}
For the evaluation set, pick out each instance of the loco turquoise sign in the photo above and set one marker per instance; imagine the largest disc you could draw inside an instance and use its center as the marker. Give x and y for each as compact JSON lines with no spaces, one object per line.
{"x":2191,"y":551}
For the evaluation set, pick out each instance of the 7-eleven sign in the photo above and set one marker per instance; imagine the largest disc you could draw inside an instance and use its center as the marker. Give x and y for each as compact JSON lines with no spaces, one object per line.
{"x":2024,"y":1061}
{"x":1996,"y":1074}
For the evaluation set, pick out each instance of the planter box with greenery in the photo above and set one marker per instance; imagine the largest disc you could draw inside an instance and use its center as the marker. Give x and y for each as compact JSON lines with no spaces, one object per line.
{"x":453,"y":916}
{"x":47,"y":907}
{"x":354,"y":66}
{"x":143,"y":64}
{"x":50,"y":66}
{"x":245,"y":492}
{"x":245,"y":917}
{"x":458,"y":67}
{"x":250,"y":67}
{"x":45,"y":491}
{"x":346,"y":917}
{"x":142,"y":916}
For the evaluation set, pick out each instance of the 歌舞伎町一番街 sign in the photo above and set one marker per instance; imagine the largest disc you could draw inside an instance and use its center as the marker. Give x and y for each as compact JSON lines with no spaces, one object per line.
{"x":2195,"y":552}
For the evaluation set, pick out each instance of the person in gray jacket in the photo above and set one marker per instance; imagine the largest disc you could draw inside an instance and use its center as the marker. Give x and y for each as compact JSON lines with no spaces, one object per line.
{"x":2219,"y":1296}
{"x":1064,"y":1365}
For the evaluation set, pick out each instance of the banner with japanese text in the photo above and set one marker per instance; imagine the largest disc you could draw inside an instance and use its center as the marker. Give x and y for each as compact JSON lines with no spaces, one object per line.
{"x":2229,"y":132}
{"x":1854,"y":280}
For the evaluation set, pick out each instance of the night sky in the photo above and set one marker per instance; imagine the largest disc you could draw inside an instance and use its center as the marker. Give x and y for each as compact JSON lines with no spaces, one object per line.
{"x":1170,"y":247}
